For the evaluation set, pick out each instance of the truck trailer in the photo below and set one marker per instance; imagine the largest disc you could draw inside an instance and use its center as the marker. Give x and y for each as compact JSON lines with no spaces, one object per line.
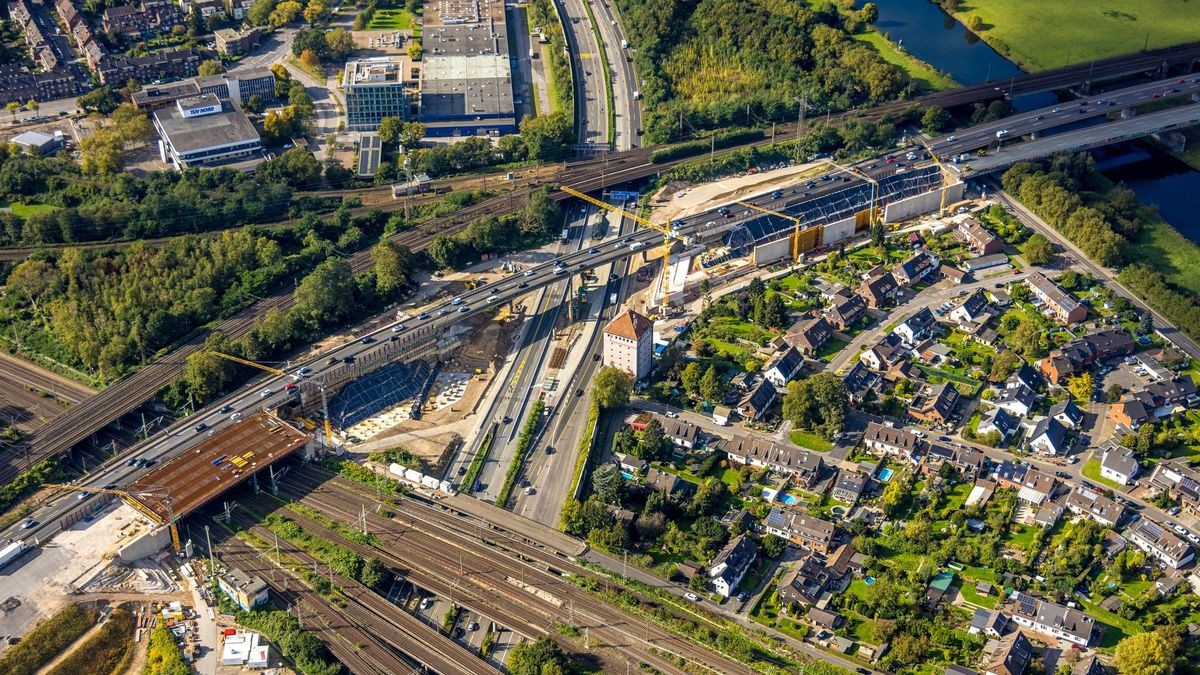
{"x":11,"y":552}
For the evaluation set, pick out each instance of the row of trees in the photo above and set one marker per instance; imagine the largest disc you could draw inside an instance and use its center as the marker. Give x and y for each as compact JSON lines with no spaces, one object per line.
{"x":498,"y":234}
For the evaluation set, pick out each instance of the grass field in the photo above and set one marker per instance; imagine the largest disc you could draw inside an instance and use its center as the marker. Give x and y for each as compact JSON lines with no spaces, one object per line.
{"x":924,"y":74}
{"x":391,"y":19}
{"x":1091,"y":469}
{"x":1040,"y":35}
{"x":1162,"y":247}
{"x":25,"y":210}
{"x":811,"y":441}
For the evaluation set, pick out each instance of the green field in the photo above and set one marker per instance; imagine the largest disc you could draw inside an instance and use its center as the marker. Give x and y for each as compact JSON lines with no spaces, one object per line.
{"x":1162,"y":247}
{"x":811,"y":441}
{"x":1091,"y":469}
{"x":921,"y":72}
{"x":25,"y":210}
{"x":1040,"y":35}
{"x":391,"y":19}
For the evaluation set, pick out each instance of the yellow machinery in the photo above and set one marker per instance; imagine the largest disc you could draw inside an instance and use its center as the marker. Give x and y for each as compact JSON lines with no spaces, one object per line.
{"x":947,"y":176}
{"x":803,"y":239}
{"x":276,"y":371}
{"x":129,"y":498}
{"x":668,"y":238}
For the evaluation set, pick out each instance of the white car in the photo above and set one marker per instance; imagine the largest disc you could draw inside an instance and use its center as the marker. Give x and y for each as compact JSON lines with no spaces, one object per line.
{"x":456,"y":301}
{"x":672,"y":415}
{"x":528,"y":273}
{"x":692,"y":596}
{"x":235,"y":416}
{"x":398,"y":328}
{"x":265,"y":393}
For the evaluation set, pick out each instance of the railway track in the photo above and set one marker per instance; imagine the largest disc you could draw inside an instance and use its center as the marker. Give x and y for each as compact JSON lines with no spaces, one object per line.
{"x":423,"y":643}
{"x":351,"y":642}
{"x":426,"y":538}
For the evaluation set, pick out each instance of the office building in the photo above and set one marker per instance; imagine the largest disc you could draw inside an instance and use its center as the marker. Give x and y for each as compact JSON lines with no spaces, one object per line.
{"x":203,"y":130}
{"x":375,"y":89}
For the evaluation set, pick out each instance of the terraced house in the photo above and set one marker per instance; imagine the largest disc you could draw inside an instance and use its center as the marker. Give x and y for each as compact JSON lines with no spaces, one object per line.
{"x":1048,"y":618}
{"x":800,"y":528}
{"x":1082,"y":353}
{"x":1160,"y":543}
{"x":1055,"y":302}
{"x":803,"y":467}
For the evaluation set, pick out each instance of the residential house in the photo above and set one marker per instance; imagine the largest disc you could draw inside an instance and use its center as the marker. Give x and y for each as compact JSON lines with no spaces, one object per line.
{"x":630,"y":464}
{"x":939,"y":586}
{"x":974,"y":309}
{"x":683,"y":434}
{"x":232,"y":42}
{"x":1133,"y":410}
{"x":1067,"y":413}
{"x":757,"y":403}
{"x":1084,"y":501}
{"x":1158,"y":400}
{"x":667,"y":483}
{"x":721,"y":415}
{"x":1118,"y":464}
{"x":893,"y":441}
{"x":919,"y":266}
{"x":1081,"y":353}
{"x":860,"y":382}
{"x":979,"y":240}
{"x":967,"y":461}
{"x":953,"y":273}
{"x":804,"y":467}
{"x":809,"y":335}
{"x":731,"y":565}
{"x":889,"y":351}
{"x":935,"y":405}
{"x":238,"y":8}
{"x":1048,"y":437}
{"x":846,"y":310}
{"x":998,"y":420}
{"x":1018,"y":400}
{"x":934,"y":353}
{"x":1048,"y":515}
{"x":1160,"y":543}
{"x":1013,"y":656}
{"x":784,"y":367}
{"x":1048,"y":618}
{"x":879,"y":291}
{"x":211,"y":10}
{"x":167,"y":64}
{"x":824,"y":618}
{"x":849,"y":486}
{"x":1089,"y":666}
{"x":985,"y":262}
{"x":815,"y":579}
{"x":1180,"y":481}
{"x":1025,"y":376}
{"x":800,"y":528}
{"x":1032,"y":486}
{"x":991,"y":623}
{"x":916,"y":327}
{"x":1055,"y":302}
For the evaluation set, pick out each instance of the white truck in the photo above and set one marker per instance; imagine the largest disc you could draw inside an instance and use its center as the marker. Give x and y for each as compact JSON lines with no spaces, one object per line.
{"x":612,"y":298}
{"x":11,"y":552}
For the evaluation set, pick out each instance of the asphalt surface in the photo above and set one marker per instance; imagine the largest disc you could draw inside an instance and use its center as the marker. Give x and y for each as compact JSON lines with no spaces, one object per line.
{"x":1041,"y":119}
{"x":591,"y":99}
{"x":624,"y":80}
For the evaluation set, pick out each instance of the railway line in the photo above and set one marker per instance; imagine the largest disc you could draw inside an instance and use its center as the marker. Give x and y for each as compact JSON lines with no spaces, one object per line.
{"x":427,"y":538}
{"x":421,"y":642}
{"x":80,"y":421}
{"x":351,"y":641}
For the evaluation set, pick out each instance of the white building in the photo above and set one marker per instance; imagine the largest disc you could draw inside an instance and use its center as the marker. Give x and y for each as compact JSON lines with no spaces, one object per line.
{"x":1160,"y":543}
{"x":1119,"y":464}
{"x":731,"y":565}
{"x":629,"y":344}
{"x":1047,"y":618}
{"x":202,"y":131}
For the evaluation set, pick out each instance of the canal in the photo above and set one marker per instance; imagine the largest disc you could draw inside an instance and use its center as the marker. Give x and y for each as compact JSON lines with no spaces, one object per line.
{"x":1160,"y":180}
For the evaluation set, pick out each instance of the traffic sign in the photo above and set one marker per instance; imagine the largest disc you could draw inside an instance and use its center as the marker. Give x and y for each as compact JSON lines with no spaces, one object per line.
{"x":624,"y":196}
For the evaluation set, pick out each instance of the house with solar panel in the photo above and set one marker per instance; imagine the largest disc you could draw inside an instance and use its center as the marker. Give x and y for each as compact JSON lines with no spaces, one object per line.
{"x":1052,"y":620}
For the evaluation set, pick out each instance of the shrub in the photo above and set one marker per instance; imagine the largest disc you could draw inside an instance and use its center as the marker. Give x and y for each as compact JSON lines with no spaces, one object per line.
{"x":47,"y":640}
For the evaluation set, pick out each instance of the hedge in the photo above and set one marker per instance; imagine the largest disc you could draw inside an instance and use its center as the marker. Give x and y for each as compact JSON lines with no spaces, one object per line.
{"x":523,"y":441}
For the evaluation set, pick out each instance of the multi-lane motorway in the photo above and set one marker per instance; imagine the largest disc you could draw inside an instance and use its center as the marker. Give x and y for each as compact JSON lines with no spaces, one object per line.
{"x":628,"y":118}
{"x":587,"y":54}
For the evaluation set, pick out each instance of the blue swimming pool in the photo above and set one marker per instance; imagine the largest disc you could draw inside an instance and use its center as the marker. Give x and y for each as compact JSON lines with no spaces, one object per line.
{"x":885,"y":474}
{"x":788,"y":499}
{"x":627,"y":475}
{"x":869,"y":581}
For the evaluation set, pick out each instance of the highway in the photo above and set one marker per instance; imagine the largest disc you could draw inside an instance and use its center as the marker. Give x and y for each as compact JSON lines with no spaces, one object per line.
{"x":591,"y":97}
{"x":628,"y":118}
{"x":1033,"y":121}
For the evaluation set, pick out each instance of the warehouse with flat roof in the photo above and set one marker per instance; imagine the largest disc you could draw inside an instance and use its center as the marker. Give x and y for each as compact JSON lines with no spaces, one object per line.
{"x":205,"y":131}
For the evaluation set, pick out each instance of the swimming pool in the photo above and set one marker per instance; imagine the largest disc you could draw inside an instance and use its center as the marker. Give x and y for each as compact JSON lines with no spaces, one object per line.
{"x":885,"y":474}
{"x":788,"y":499}
{"x":627,"y":475}
{"x":869,"y":581}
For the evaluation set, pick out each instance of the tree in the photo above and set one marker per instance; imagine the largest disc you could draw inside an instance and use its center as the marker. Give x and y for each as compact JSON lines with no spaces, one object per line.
{"x":326,"y":294}
{"x":314,"y":11}
{"x":549,"y":136}
{"x":414,"y":50}
{"x":210,"y":67}
{"x":1003,"y":365}
{"x":1026,"y":338}
{"x":611,"y":388}
{"x":373,"y":573}
{"x":935,"y":119}
{"x":103,"y":100}
{"x":1150,"y":653}
{"x":254,"y":104}
{"x":1081,"y":387}
{"x":1113,"y":394}
{"x":393,"y":264}
{"x":259,"y":13}
{"x":284,"y":13}
{"x":389,"y":131}
{"x":608,"y":483}
{"x":1038,"y":250}
{"x":975,"y":23}
{"x":818,"y":403}
{"x":541,"y":657}
{"x":32,"y":106}
{"x":652,"y":442}
{"x":340,"y":43}
{"x":310,"y":61}
{"x":1145,"y":323}
{"x":690,"y":378}
{"x":774,"y":545}
{"x":13,"y":107}
{"x":412,"y":133}
{"x":878,"y":237}
{"x":711,"y":386}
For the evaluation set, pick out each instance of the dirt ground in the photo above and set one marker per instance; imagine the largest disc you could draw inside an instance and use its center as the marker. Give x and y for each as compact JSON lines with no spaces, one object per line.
{"x":682,"y":200}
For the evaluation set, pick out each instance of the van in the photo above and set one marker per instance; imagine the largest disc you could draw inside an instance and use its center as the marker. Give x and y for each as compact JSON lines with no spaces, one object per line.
{"x":624,"y":44}
{"x":636,"y":245}
{"x":637,"y":95}
{"x":493,"y":298}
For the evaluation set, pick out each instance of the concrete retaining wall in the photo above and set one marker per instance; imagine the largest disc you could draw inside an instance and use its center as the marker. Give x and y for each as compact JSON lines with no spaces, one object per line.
{"x":765,"y":254}
{"x":922,"y":204}
{"x":839,"y":231}
{"x":146,"y":545}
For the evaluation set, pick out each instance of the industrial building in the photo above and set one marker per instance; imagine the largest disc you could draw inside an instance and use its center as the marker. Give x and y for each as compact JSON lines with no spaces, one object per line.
{"x":204,"y":131}
{"x":375,"y":89}
{"x":246,"y":590}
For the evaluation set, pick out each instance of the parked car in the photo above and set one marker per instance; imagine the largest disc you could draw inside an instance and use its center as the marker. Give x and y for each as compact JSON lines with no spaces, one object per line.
{"x":692,"y":596}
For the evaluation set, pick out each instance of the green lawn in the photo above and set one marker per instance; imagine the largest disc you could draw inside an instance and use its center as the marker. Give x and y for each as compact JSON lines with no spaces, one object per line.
{"x":924,"y":74}
{"x":831,"y":348}
{"x":1162,"y":247}
{"x":1115,"y":627}
{"x":967,"y":589}
{"x":1091,"y":469}
{"x":809,"y":440}
{"x":25,"y":210}
{"x":1023,"y":537}
{"x":391,"y":19}
{"x":1041,"y":35}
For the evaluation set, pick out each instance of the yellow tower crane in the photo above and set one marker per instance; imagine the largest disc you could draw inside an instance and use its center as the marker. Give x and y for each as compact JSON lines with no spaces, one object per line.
{"x":129,"y":497}
{"x":276,"y":371}
{"x":947,"y":175}
{"x":668,"y":237}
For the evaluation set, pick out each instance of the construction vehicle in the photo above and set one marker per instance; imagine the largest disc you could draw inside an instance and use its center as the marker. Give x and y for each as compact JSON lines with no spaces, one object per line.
{"x":129,"y":497}
{"x":297,"y":376}
{"x":669,"y":237}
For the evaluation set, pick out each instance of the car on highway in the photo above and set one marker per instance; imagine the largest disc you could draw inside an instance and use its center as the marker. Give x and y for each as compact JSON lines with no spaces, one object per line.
{"x":456,"y":302}
{"x":394,"y":338}
{"x":464,"y":309}
{"x":529,"y":490}
{"x":1002,"y":133}
{"x":225,"y":409}
{"x":952,"y":138}
{"x":528,"y":273}
{"x":235,"y":416}
{"x":201,"y":427}
{"x":593,"y":250}
{"x":522,"y":285}
{"x":265,"y":393}
{"x":1056,"y":110}
{"x":29,"y":524}
{"x":304,"y":370}
{"x":348,"y":359}
{"x":692,"y":596}
{"x":366,"y":340}
{"x":443,"y":312}
{"x":422,"y":316}
{"x":549,"y":449}
{"x":398,"y":328}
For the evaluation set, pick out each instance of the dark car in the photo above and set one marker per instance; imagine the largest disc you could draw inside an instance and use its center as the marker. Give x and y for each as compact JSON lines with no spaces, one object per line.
{"x":348,"y":359}
{"x":462,"y":470}
{"x":579,"y":392}
{"x":595,"y":357}
{"x":367,"y":340}
{"x":332,"y":360}
{"x":225,"y":409}
{"x":549,"y":449}
{"x":522,"y":285}
{"x":944,"y":438}
{"x":1062,"y":474}
{"x":201,"y":427}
